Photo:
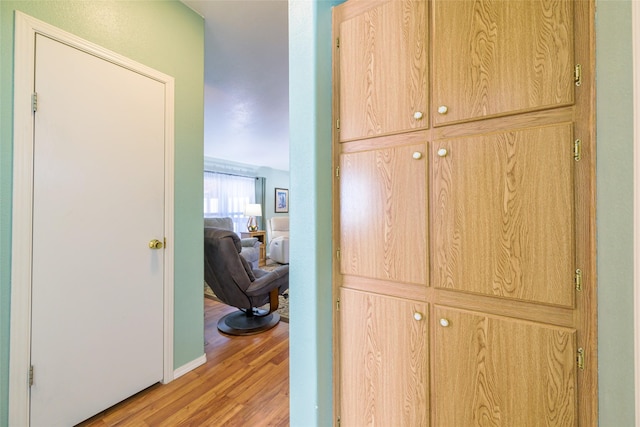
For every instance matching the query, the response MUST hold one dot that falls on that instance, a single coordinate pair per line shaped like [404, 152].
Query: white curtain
[226, 196]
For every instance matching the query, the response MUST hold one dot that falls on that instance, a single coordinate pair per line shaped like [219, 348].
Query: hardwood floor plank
[245, 381]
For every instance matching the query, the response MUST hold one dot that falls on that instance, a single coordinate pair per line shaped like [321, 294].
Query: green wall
[310, 222]
[167, 36]
[615, 212]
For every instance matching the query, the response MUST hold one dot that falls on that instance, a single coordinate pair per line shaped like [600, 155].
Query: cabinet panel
[386, 372]
[383, 224]
[383, 69]
[501, 57]
[494, 371]
[502, 214]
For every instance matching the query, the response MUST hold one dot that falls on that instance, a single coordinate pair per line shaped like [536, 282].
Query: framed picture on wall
[282, 200]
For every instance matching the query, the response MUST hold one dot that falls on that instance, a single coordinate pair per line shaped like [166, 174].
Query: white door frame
[635, 40]
[26, 28]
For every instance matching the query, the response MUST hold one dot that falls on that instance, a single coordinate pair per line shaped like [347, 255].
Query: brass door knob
[155, 244]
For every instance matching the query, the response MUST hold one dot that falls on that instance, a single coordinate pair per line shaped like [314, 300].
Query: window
[226, 196]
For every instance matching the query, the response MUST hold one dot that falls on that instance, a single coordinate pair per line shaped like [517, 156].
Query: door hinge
[338, 304]
[30, 375]
[338, 123]
[165, 242]
[577, 75]
[578, 280]
[580, 358]
[34, 102]
[338, 172]
[577, 150]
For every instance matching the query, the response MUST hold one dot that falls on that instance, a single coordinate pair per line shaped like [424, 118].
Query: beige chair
[278, 234]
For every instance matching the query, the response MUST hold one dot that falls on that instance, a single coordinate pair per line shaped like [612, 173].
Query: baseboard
[189, 366]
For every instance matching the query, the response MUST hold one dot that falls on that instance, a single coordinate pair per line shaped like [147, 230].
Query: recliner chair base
[238, 323]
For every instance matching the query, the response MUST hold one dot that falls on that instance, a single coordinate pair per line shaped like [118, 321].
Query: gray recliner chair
[234, 282]
[250, 245]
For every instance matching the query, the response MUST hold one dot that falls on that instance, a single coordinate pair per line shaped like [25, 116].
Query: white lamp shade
[253, 209]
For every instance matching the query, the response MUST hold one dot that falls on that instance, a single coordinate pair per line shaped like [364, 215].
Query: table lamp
[252, 210]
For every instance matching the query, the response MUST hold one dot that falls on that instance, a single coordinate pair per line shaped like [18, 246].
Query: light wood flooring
[245, 382]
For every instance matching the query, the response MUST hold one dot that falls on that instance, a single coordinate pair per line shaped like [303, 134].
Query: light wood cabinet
[483, 223]
[499, 371]
[503, 220]
[387, 380]
[383, 230]
[383, 68]
[494, 58]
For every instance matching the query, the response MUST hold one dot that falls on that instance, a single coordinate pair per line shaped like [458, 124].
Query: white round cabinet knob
[442, 152]
[444, 322]
[417, 155]
[417, 115]
[442, 109]
[417, 315]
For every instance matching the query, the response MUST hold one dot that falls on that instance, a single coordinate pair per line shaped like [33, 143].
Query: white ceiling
[246, 81]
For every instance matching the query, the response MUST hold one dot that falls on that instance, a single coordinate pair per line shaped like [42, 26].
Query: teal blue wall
[615, 212]
[311, 174]
[310, 142]
[167, 36]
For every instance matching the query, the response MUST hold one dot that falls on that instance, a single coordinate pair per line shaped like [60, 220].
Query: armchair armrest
[250, 242]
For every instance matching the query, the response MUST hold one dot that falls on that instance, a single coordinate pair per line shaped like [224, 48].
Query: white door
[98, 200]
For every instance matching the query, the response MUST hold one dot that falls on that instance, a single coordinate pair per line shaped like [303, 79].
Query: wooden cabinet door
[501, 57]
[503, 216]
[382, 67]
[384, 360]
[497, 371]
[383, 223]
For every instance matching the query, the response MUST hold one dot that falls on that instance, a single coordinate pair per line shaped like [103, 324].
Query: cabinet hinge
[577, 150]
[580, 358]
[338, 304]
[338, 172]
[338, 254]
[34, 102]
[577, 75]
[338, 123]
[338, 420]
[338, 42]
[30, 375]
[578, 280]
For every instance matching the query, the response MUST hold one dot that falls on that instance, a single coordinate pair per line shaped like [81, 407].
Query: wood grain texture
[506, 372]
[383, 69]
[502, 215]
[245, 381]
[493, 58]
[509, 104]
[383, 231]
[586, 313]
[387, 381]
